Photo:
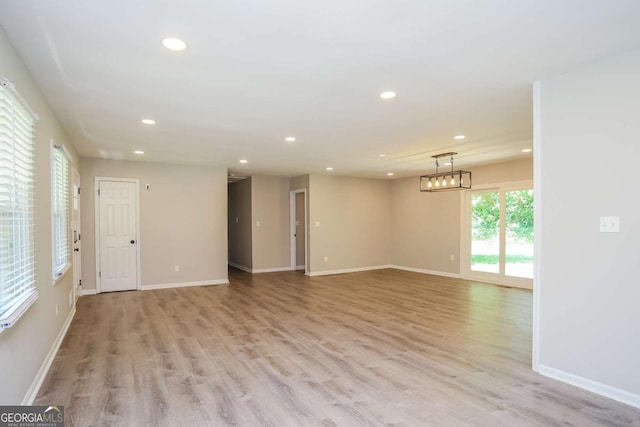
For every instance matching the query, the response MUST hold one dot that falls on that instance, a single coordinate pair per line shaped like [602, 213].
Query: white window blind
[60, 209]
[17, 249]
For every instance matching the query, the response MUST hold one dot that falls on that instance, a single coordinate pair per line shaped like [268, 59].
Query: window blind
[17, 248]
[60, 209]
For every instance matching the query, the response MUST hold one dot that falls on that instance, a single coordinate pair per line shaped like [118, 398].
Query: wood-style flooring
[376, 348]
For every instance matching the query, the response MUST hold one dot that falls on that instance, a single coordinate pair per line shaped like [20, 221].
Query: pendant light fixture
[443, 181]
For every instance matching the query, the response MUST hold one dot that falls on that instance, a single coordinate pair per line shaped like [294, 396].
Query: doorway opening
[298, 218]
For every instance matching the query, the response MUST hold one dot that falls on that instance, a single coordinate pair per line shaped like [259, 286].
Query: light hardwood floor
[377, 348]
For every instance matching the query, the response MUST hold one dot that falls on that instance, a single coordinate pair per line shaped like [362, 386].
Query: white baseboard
[89, 292]
[270, 270]
[423, 271]
[46, 363]
[300, 267]
[614, 393]
[240, 267]
[347, 270]
[185, 284]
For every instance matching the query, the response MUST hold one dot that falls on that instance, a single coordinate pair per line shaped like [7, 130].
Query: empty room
[337, 213]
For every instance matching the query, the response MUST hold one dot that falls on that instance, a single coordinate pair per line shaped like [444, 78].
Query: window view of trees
[485, 226]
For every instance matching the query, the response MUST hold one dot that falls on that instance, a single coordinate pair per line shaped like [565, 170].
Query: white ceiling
[256, 71]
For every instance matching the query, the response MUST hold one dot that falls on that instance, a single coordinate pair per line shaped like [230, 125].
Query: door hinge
[98, 192]
[80, 282]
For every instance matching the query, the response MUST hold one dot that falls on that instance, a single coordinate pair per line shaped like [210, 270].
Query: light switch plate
[317, 223]
[609, 224]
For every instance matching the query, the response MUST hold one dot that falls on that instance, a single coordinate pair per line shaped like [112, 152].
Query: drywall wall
[350, 223]
[270, 223]
[426, 226]
[239, 224]
[24, 347]
[183, 220]
[588, 293]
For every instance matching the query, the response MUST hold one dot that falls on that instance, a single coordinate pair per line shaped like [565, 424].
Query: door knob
[133, 241]
[76, 249]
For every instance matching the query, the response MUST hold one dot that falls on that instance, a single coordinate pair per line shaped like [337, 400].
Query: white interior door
[118, 235]
[75, 233]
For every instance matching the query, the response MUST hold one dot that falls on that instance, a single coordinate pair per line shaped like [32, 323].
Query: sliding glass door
[498, 235]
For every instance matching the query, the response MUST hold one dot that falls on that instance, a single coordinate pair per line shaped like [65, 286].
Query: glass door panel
[519, 233]
[485, 232]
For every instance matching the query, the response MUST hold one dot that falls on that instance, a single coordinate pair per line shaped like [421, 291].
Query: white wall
[183, 220]
[355, 223]
[426, 226]
[270, 207]
[587, 288]
[24, 347]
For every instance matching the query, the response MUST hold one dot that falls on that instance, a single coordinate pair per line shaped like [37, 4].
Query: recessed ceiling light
[244, 161]
[172, 43]
[148, 121]
[527, 150]
[290, 139]
[382, 155]
[389, 173]
[459, 137]
[389, 94]
[138, 152]
[329, 168]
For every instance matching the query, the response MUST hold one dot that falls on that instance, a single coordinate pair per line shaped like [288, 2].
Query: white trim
[537, 223]
[33, 390]
[492, 281]
[96, 226]
[61, 274]
[292, 229]
[185, 284]
[423, 271]
[300, 267]
[348, 270]
[270, 270]
[22, 305]
[590, 385]
[239, 267]
[89, 292]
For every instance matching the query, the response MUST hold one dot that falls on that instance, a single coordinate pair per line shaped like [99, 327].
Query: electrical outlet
[57, 310]
[609, 224]
[326, 259]
[453, 257]
[70, 298]
[257, 223]
[317, 223]
[176, 268]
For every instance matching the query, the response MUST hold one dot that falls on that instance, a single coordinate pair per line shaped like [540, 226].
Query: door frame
[465, 236]
[292, 228]
[77, 266]
[96, 227]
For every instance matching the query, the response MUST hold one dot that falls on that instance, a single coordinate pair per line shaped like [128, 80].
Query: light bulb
[437, 183]
[429, 184]
[453, 181]
[444, 181]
